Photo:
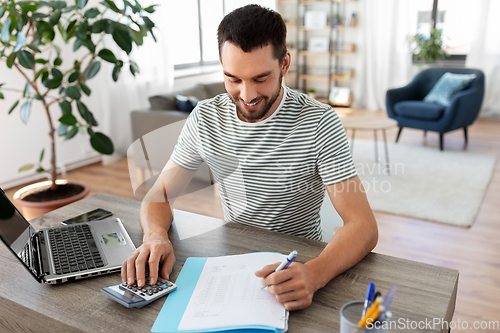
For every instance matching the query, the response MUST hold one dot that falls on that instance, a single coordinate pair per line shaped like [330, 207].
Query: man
[272, 152]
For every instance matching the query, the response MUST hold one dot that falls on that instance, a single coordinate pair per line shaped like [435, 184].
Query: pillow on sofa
[185, 103]
[448, 85]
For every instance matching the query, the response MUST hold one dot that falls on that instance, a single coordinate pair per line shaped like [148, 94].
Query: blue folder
[173, 309]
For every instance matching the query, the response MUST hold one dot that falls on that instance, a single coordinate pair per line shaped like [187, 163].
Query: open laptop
[64, 253]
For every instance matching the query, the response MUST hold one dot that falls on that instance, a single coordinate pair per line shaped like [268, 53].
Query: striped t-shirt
[270, 174]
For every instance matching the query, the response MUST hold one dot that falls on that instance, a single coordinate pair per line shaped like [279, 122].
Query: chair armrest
[464, 108]
[147, 120]
[406, 93]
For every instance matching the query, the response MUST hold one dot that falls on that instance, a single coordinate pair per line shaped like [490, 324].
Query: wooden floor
[475, 251]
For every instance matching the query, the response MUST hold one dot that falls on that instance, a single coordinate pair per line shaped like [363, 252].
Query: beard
[262, 112]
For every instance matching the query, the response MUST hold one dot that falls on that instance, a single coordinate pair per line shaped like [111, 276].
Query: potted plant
[33, 33]
[311, 92]
[428, 48]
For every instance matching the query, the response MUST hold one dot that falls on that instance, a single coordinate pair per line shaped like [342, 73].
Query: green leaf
[42, 26]
[51, 83]
[72, 132]
[134, 68]
[35, 49]
[137, 36]
[2, 11]
[38, 97]
[86, 90]
[93, 69]
[55, 17]
[102, 25]
[26, 90]
[68, 119]
[13, 106]
[65, 107]
[62, 90]
[25, 111]
[26, 167]
[26, 59]
[111, 5]
[82, 30]
[81, 3]
[86, 114]
[150, 9]
[40, 72]
[89, 45]
[116, 70]
[41, 155]
[71, 26]
[41, 61]
[11, 59]
[58, 4]
[149, 24]
[1, 95]
[69, 9]
[41, 169]
[73, 93]
[56, 74]
[92, 13]
[58, 61]
[63, 128]
[20, 41]
[78, 43]
[107, 55]
[90, 131]
[102, 143]
[6, 30]
[123, 40]
[39, 16]
[74, 76]
[45, 76]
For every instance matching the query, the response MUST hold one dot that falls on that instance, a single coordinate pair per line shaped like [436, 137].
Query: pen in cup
[370, 293]
[284, 265]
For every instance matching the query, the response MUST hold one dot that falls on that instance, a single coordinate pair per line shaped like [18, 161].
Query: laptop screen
[18, 235]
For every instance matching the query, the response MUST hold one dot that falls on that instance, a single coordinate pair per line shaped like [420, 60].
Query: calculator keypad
[150, 292]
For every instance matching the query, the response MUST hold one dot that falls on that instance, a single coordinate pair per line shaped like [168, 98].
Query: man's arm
[296, 285]
[156, 216]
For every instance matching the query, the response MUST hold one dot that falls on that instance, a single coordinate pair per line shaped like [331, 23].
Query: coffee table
[370, 124]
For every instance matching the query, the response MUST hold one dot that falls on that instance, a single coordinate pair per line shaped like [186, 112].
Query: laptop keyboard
[74, 249]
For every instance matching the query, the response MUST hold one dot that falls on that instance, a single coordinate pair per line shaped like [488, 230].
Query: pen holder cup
[350, 315]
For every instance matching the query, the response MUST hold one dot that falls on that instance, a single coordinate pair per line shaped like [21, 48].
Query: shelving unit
[321, 67]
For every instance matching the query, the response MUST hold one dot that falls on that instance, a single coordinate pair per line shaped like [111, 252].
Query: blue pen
[370, 293]
[284, 265]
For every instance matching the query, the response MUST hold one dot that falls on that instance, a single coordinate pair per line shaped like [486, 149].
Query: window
[450, 16]
[196, 25]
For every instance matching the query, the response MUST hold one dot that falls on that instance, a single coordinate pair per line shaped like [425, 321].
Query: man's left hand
[293, 286]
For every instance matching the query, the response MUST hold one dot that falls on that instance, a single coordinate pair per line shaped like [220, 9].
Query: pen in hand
[284, 265]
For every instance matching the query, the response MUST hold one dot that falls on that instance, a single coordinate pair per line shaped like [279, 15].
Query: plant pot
[32, 209]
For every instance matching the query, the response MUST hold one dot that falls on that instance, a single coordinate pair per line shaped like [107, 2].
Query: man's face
[253, 80]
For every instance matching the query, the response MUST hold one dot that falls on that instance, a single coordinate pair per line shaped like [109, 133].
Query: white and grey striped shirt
[270, 174]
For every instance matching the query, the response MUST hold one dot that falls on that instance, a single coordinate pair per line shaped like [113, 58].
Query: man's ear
[285, 65]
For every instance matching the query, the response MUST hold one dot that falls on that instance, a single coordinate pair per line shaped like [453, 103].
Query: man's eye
[261, 80]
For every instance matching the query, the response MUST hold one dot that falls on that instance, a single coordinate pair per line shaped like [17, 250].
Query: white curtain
[384, 59]
[116, 100]
[485, 54]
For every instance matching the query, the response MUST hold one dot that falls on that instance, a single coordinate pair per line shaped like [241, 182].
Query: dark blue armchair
[406, 104]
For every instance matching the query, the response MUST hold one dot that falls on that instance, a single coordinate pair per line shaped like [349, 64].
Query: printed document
[228, 294]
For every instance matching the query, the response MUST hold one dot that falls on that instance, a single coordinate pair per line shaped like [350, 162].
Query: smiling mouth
[251, 104]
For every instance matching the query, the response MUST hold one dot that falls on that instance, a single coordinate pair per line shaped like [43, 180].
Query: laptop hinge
[41, 249]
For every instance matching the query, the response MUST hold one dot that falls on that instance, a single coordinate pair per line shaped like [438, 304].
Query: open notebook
[223, 294]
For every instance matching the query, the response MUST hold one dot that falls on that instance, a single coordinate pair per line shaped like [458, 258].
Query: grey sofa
[150, 154]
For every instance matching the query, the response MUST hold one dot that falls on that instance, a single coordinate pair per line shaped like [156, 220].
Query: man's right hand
[157, 251]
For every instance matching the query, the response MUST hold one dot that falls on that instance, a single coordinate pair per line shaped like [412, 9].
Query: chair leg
[465, 135]
[441, 141]
[399, 133]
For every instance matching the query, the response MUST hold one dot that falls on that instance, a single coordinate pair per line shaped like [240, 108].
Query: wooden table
[424, 291]
[370, 124]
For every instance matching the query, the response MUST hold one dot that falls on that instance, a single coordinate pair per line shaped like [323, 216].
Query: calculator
[132, 296]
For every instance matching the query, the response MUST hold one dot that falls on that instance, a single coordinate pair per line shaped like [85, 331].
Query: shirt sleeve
[186, 152]
[333, 155]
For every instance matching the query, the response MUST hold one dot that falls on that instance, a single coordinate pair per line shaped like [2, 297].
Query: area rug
[425, 183]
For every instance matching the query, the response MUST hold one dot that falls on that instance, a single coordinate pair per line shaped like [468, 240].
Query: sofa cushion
[419, 110]
[167, 101]
[214, 89]
[185, 103]
[448, 85]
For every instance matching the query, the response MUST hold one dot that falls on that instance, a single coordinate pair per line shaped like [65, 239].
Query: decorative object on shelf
[318, 44]
[351, 20]
[311, 92]
[428, 48]
[32, 37]
[340, 96]
[315, 19]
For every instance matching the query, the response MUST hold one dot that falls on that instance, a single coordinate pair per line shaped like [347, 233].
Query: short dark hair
[254, 26]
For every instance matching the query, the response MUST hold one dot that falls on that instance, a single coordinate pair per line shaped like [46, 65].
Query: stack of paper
[223, 294]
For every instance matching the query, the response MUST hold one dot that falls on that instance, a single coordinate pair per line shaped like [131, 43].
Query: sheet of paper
[228, 294]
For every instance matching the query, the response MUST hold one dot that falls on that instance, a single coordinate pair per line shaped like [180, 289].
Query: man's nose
[248, 92]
